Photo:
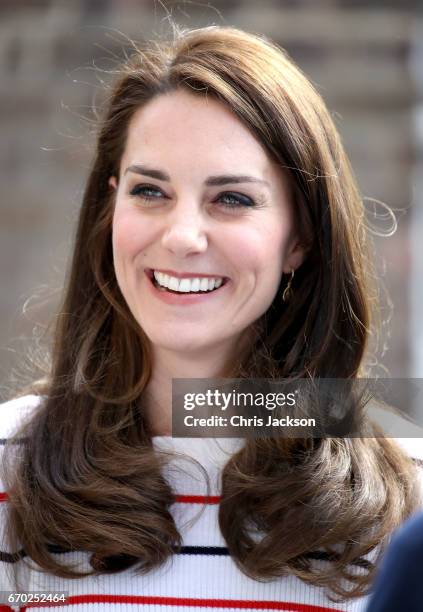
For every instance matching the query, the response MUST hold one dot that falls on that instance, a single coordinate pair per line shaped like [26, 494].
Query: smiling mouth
[191, 291]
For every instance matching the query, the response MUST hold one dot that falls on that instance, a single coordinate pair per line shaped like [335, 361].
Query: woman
[221, 235]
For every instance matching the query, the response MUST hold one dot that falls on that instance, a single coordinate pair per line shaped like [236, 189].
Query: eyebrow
[211, 181]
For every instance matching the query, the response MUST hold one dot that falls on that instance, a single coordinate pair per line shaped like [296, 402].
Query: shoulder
[14, 413]
[413, 447]
[406, 433]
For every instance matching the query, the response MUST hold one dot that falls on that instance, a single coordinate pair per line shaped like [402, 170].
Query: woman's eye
[146, 192]
[228, 199]
[235, 200]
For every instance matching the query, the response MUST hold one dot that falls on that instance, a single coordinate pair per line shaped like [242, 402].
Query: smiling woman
[221, 235]
[218, 221]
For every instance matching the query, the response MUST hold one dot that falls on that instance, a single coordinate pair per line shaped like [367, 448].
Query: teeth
[187, 285]
[184, 285]
[195, 284]
[173, 284]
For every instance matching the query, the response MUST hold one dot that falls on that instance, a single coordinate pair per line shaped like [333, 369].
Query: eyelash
[242, 200]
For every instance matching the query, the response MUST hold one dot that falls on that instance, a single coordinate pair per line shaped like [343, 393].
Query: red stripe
[197, 499]
[180, 499]
[184, 601]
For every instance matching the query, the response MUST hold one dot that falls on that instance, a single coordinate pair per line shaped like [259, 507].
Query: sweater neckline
[209, 451]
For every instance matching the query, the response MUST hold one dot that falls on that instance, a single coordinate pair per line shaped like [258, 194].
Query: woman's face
[198, 198]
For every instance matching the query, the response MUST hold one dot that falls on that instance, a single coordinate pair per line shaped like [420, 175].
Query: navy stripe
[6, 557]
[321, 555]
[202, 550]
[318, 555]
[60, 550]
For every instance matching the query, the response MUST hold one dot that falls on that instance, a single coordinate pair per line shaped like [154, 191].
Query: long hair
[88, 449]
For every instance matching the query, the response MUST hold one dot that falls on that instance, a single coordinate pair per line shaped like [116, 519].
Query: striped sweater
[200, 575]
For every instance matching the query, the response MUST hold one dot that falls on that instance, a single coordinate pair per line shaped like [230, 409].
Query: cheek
[128, 237]
[262, 249]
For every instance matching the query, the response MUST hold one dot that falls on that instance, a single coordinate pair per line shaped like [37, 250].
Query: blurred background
[365, 58]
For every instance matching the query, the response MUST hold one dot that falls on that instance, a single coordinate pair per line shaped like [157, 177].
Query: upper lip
[184, 274]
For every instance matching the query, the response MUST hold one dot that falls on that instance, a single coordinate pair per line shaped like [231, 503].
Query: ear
[295, 256]
[113, 182]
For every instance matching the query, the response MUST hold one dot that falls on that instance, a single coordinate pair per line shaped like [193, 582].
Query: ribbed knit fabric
[202, 575]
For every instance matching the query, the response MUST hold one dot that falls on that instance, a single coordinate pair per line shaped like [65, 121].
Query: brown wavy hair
[88, 449]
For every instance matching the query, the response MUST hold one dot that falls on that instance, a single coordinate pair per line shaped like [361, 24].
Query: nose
[185, 234]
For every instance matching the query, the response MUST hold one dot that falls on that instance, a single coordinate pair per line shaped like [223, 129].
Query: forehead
[181, 128]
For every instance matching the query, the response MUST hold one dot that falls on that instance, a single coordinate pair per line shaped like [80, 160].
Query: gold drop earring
[287, 293]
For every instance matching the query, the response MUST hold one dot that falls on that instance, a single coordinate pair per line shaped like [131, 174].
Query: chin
[184, 343]
[185, 346]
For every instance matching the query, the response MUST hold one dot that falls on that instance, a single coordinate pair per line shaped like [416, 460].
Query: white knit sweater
[202, 575]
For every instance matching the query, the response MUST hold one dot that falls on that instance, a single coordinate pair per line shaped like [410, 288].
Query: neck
[168, 365]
